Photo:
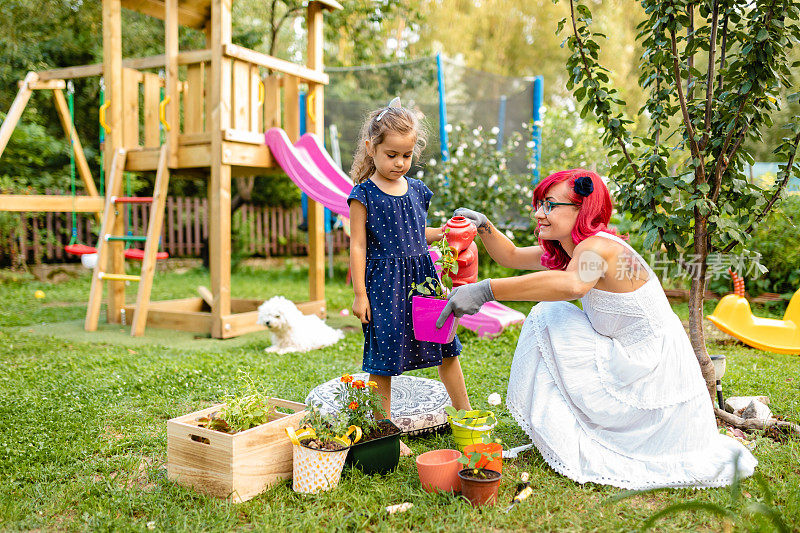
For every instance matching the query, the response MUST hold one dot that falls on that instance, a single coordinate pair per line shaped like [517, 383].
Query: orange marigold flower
[353, 406]
[347, 378]
[358, 384]
[372, 384]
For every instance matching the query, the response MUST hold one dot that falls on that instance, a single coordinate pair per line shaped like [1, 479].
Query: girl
[388, 251]
[611, 392]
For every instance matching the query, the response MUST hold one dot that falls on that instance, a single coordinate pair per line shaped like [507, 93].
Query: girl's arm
[506, 253]
[358, 260]
[433, 234]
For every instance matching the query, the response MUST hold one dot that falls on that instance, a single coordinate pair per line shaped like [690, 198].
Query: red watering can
[460, 238]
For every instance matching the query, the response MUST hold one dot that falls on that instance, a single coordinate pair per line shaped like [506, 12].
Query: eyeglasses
[548, 205]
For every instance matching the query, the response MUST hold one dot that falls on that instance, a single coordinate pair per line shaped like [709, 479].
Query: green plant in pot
[469, 427]
[478, 484]
[429, 297]
[378, 451]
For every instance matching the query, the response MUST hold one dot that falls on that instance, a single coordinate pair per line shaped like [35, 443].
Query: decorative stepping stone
[417, 403]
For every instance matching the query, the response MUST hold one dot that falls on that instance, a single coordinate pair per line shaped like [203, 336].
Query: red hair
[594, 212]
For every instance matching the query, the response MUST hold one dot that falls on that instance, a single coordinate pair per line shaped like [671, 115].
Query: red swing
[79, 249]
[74, 247]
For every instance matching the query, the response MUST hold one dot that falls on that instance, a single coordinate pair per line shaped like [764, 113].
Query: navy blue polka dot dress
[397, 255]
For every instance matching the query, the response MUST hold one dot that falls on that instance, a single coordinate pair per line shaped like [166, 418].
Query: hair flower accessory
[394, 103]
[583, 186]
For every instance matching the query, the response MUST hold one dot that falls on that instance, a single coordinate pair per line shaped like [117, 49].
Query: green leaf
[763, 34]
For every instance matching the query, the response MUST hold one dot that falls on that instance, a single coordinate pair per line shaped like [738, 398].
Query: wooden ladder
[111, 216]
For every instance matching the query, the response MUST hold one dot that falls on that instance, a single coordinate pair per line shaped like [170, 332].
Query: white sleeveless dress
[613, 394]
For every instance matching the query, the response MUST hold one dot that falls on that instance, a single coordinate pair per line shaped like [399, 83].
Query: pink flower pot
[438, 470]
[424, 314]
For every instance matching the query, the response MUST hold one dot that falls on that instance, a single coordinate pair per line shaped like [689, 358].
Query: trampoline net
[473, 97]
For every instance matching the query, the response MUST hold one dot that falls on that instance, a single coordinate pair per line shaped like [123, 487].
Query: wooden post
[112, 73]
[154, 225]
[152, 97]
[219, 187]
[272, 103]
[291, 109]
[130, 108]
[173, 107]
[116, 167]
[17, 107]
[315, 122]
[193, 110]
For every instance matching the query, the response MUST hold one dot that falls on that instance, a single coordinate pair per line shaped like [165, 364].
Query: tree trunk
[696, 298]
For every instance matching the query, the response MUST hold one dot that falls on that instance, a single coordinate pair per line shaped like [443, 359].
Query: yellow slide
[733, 316]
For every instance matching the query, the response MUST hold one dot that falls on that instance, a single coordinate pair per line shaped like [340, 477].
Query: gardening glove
[466, 300]
[479, 219]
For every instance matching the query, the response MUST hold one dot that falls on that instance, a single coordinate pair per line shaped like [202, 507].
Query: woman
[612, 393]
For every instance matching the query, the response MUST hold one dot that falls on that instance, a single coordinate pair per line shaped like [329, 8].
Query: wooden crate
[238, 466]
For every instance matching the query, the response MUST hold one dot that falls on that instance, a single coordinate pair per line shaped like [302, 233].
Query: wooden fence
[260, 231]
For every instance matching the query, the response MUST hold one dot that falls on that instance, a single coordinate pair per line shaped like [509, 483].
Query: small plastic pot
[471, 428]
[424, 314]
[438, 470]
[376, 456]
[480, 491]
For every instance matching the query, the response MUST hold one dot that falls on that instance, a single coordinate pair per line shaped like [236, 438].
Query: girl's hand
[361, 308]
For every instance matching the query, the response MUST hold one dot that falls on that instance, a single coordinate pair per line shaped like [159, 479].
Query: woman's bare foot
[405, 451]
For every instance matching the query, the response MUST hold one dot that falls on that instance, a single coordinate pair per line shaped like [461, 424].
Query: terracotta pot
[480, 491]
[424, 313]
[496, 464]
[438, 470]
[460, 238]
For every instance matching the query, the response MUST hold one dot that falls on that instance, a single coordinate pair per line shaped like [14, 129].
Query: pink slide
[301, 167]
[312, 146]
[311, 168]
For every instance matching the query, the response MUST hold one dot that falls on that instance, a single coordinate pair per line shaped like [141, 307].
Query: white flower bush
[479, 176]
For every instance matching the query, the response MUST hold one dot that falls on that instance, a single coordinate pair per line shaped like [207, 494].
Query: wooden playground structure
[217, 103]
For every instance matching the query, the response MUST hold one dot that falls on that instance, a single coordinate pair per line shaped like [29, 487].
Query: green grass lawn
[83, 426]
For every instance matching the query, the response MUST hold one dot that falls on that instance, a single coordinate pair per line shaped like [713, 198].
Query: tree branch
[722, 52]
[686, 119]
[721, 160]
[776, 194]
[751, 424]
[277, 28]
[690, 58]
[588, 72]
[712, 47]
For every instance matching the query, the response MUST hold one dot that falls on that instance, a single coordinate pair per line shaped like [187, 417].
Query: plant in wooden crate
[360, 403]
[234, 449]
[240, 412]
[319, 450]
[431, 297]
[479, 484]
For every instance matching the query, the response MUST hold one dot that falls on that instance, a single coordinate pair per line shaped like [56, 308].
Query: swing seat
[80, 249]
[137, 254]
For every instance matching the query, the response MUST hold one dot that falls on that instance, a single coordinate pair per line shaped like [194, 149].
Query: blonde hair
[400, 120]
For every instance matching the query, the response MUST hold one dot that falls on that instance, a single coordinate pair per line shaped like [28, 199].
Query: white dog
[291, 330]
